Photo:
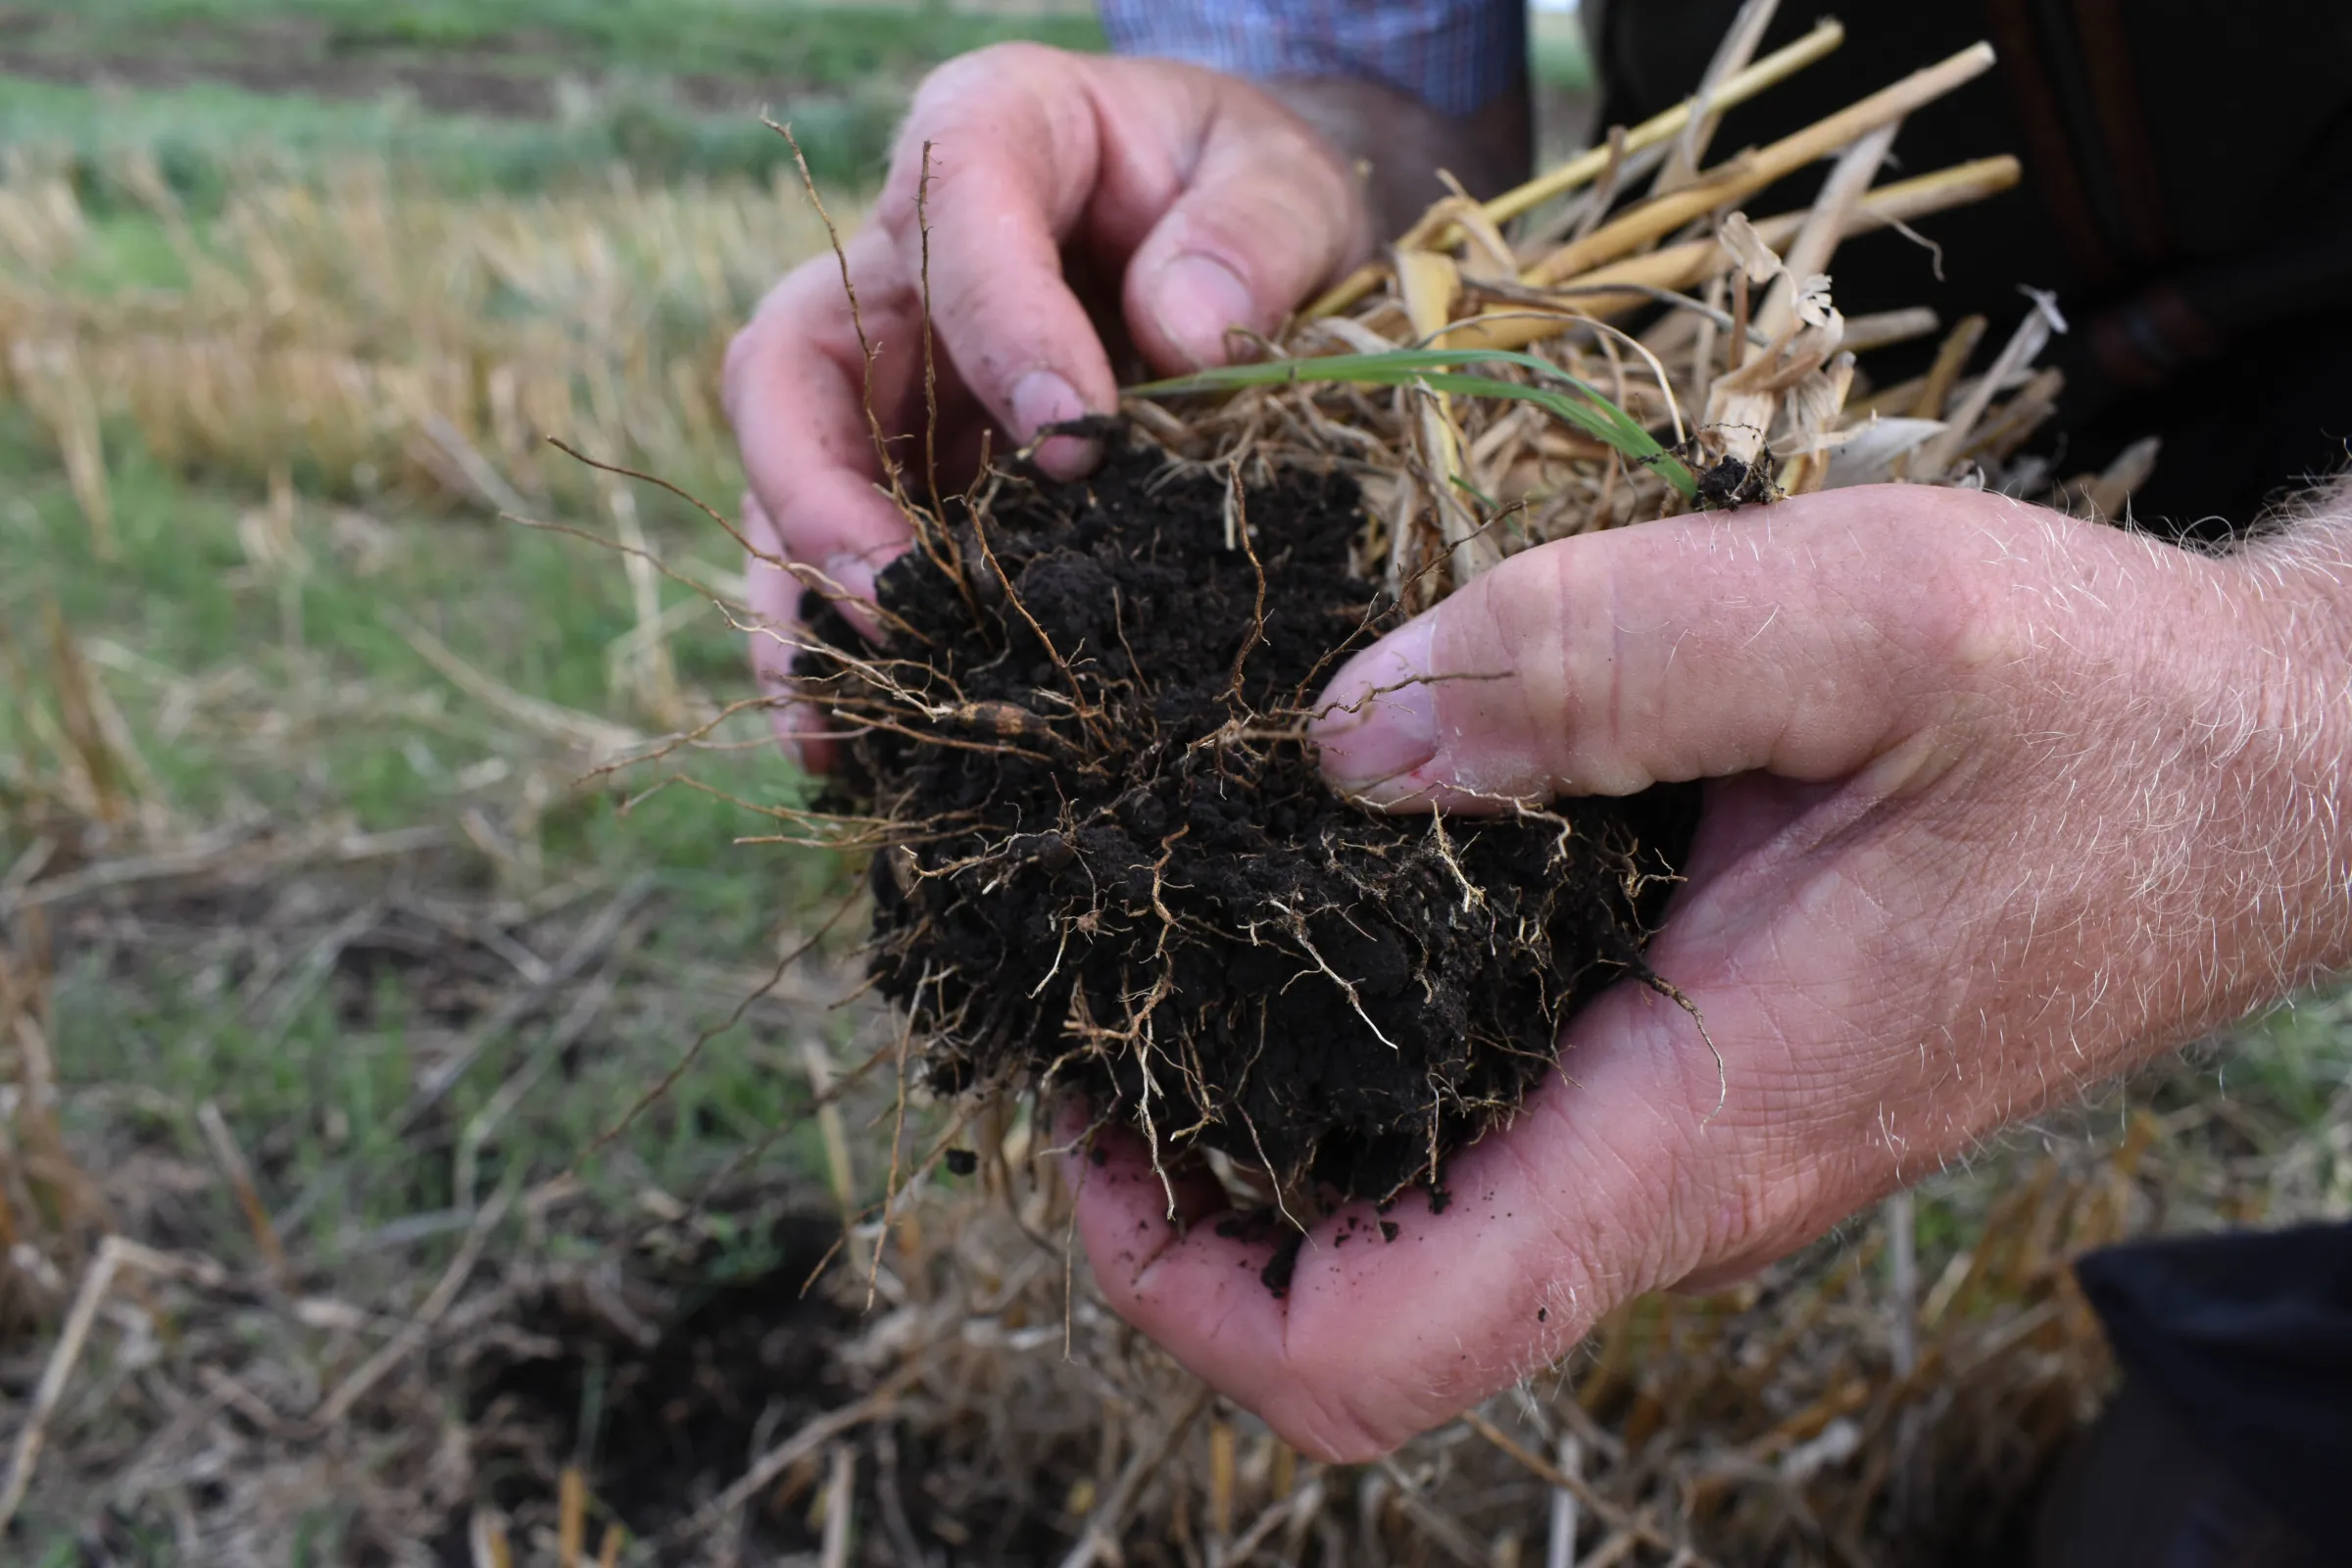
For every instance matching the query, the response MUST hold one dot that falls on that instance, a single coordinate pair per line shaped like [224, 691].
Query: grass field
[517, 95]
[277, 355]
[330, 955]
[266, 461]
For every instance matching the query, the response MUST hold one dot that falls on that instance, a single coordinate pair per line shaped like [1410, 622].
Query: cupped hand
[2001, 805]
[1201, 204]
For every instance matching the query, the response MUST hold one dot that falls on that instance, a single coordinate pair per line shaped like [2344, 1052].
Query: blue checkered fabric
[1454, 55]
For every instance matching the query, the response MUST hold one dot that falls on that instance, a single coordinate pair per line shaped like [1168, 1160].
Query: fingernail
[757, 529]
[1197, 299]
[1041, 398]
[1379, 719]
[851, 573]
[849, 587]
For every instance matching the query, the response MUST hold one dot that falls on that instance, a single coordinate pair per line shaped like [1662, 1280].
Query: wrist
[1401, 90]
[1399, 144]
[2300, 579]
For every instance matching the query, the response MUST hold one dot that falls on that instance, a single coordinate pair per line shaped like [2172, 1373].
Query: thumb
[1267, 214]
[1841, 629]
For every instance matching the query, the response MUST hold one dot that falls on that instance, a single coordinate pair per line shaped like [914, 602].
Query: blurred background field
[330, 956]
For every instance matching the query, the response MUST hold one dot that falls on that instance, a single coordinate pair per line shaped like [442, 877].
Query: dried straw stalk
[1716, 334]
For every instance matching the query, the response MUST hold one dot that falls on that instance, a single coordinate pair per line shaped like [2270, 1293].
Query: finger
[797, 395]
[1226, 208]
[1014, 153]
[1172, 1195]
[776, 632]
[1834, 631]
[1266, 215]
[1213, 1275]
[1393, 1321]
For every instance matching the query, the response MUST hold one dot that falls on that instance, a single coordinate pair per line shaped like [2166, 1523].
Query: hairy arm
[2302, 575]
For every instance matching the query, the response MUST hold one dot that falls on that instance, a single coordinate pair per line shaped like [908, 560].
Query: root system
[1117, 869]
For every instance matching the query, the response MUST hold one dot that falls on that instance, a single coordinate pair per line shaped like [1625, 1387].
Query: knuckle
[1967, 621]
[779, 330]
[1560, 660]
[1317, 168]
[1973, 638]
[1325, 1416]
[1343, 1395]
[1523, 600]
[982, 84]
[993, 65]
[736, 370]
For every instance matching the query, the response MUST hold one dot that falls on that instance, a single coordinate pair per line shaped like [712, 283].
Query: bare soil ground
[519, 74]
[310, 1325]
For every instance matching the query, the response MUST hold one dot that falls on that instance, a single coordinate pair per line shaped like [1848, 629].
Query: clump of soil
[1115, 866]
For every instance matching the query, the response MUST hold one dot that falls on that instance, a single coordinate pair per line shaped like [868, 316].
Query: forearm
[2187, 749]
[2301, 575]
[2192, 761]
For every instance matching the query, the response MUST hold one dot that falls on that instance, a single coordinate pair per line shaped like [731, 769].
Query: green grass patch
[762, 40]
[203, 138]
[538, 93]
[326, 649]
[317, 1096]
[1437, 370]
[252, 695]
[1558, 54]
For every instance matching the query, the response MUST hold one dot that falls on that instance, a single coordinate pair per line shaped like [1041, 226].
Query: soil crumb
[1114, 867]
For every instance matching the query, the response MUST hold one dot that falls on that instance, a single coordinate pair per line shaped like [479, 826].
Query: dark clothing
[2246, 1341]
[2138, 1492]
[2188, 194]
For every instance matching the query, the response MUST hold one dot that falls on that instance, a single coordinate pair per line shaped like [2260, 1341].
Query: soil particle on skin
[1276, 1276]
[1117, 869]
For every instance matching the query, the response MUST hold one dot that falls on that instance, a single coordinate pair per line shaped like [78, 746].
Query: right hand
[1210, 205]
[2000, 804]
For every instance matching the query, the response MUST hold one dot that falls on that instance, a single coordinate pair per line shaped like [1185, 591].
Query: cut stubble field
[352, 1206]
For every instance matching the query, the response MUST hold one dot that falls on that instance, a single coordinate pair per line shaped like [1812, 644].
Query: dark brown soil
[665, 1368]
[1118, 869]
[660, 1380]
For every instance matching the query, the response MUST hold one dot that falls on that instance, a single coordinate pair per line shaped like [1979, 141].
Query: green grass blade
[1440, 370]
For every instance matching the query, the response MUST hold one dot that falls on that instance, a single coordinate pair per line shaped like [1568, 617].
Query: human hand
[2001, 805]
[1202, 203]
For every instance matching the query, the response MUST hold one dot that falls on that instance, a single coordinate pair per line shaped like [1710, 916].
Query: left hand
[1201, 204]
[2002, 804]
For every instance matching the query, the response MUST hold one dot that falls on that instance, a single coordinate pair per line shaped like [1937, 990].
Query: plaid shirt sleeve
[1454, 55]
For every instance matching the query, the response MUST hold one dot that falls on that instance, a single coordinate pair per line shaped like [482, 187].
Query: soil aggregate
[1113, 864]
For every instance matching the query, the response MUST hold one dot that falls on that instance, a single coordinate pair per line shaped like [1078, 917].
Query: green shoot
[1436, 368]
